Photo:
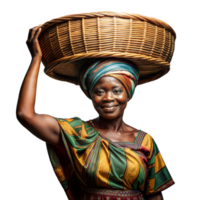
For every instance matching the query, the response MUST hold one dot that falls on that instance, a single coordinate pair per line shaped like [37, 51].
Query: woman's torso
[103, 163]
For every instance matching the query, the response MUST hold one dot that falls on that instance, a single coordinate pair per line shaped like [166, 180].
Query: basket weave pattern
[146, 41]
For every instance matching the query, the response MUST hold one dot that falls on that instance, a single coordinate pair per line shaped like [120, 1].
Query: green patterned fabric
[96, 161]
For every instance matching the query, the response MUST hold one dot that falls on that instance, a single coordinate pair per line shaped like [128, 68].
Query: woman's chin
[109, 115]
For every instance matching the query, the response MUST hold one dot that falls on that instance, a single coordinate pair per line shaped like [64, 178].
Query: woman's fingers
[33, 43]
[37, 33]
[34, 31]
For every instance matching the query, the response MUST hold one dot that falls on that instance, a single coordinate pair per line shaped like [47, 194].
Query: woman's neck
[111, 124]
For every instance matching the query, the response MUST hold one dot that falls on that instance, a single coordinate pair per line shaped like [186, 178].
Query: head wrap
[123, 70]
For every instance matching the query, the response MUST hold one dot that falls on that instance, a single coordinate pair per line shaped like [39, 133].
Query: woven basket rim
[124, 15]
[68, 59]
[102, 54]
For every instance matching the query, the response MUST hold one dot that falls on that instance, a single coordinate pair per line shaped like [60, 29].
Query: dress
[90, 166]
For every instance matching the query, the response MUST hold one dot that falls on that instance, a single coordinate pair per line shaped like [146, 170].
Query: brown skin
[109, 98]
[42, 126]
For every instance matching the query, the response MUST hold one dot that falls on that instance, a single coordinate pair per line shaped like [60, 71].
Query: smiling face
[109, 97]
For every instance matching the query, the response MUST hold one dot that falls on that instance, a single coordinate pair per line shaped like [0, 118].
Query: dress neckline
[92, 125]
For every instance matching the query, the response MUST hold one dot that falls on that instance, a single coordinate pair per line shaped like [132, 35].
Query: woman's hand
[33, 43]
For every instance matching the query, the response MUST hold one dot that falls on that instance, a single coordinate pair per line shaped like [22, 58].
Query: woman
[103, 158]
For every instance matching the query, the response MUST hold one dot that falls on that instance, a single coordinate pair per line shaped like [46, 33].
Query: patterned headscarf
[123, 70]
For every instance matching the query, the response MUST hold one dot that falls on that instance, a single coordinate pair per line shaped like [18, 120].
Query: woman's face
[109, 97]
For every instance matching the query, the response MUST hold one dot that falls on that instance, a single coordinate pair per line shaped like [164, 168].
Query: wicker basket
[69, 41]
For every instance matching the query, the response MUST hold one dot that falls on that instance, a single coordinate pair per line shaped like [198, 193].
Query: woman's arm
[28, 92]
[157, 196]
[44, 127]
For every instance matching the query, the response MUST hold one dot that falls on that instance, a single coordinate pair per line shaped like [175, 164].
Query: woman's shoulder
[130, 128]
[87, 121]
[142, 138]
[69, 120]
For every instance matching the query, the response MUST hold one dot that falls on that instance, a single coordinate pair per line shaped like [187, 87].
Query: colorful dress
[90, 166]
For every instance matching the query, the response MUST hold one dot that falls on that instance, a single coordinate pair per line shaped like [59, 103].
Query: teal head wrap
[123, 70]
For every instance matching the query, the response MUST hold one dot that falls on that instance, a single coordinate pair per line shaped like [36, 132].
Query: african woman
[103, 158]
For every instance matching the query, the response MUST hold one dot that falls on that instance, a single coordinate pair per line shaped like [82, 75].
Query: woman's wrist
[37, 57]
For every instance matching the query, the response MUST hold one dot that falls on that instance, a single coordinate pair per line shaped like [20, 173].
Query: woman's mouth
[109, 108]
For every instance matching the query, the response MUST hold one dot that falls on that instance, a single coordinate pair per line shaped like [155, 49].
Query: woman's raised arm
[42, 126]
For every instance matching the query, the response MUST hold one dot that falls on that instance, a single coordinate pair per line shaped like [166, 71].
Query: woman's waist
[109, 192]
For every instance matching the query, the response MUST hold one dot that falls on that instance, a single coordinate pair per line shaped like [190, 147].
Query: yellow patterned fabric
[93, 160]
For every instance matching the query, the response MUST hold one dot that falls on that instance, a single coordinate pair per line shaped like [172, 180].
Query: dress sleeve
[158, 177]
[61, 160]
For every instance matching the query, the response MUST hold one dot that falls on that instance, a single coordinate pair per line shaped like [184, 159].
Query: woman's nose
[108, 96]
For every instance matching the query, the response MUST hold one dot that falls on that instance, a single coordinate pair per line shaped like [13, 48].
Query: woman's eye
[117, 91]
[99, 92]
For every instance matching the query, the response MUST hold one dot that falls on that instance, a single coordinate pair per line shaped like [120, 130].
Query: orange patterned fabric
[89, 159]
